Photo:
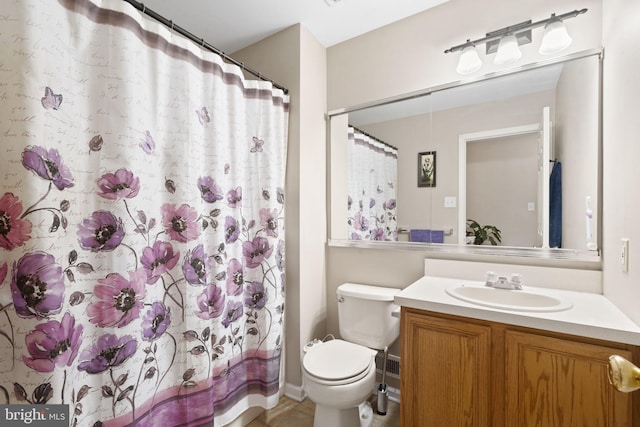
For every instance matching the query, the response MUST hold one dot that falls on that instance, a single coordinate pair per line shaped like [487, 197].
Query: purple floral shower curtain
[141, 220]
[372, 181]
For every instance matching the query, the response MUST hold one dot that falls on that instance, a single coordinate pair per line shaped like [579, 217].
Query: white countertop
[592, 315]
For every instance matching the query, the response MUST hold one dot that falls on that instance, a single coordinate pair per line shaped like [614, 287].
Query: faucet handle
[491, 277]
[516, 281]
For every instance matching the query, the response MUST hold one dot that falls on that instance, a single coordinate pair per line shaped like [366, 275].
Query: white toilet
[340, 374]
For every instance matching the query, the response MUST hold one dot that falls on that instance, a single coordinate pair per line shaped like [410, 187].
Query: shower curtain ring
[171, 22]
[201, 42]
[144, 8]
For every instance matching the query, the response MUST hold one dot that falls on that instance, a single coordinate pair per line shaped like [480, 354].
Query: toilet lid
[337, 360]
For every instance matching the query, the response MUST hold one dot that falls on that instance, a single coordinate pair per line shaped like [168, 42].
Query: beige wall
[621, 110]
[408, 55]
[296, 60]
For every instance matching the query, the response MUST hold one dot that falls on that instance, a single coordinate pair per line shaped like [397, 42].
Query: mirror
[498, 140]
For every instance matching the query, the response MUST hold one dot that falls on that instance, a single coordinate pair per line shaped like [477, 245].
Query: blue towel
[555, 206]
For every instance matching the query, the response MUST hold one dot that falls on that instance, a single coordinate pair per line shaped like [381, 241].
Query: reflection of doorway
[502, 186]
[466, 140]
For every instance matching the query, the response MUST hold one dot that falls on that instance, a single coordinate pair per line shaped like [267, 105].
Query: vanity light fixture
[505, 42]
[470, 61]
[508, 51]
[555, 38]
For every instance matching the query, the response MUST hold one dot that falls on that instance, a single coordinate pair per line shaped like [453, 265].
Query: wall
[621, 128]
[408, 55]
[295, 59]
[412, 53]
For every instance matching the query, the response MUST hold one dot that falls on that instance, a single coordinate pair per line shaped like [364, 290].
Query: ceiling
[230, 25]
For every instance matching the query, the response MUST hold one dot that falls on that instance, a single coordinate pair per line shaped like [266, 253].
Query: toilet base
[327, 416]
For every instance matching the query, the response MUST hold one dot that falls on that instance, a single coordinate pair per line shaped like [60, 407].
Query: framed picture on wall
[427, 169]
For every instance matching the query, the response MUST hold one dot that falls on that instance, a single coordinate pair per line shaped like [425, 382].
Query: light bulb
[508, 51]
[555, 38]
[469, 60]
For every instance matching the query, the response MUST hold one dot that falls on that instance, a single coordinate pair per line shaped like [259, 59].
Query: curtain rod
[373, 137]
[201, 42]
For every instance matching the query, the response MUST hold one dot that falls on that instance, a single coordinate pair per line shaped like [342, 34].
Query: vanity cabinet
[459, 371]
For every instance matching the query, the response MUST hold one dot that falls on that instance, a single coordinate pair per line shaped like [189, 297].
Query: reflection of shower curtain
[141, 221]
[372, 178]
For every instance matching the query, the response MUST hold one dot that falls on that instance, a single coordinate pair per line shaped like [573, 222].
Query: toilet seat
[338, 362]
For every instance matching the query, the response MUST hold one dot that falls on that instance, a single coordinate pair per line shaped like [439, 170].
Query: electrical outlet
[624, 255]
[450, 201]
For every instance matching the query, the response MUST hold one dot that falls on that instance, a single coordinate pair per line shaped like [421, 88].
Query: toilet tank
[365, 315]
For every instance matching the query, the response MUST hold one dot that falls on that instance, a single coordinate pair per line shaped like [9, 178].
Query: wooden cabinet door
[555, 382]
[445, 372]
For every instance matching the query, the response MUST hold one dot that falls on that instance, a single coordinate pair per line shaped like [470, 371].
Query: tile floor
[290, 413]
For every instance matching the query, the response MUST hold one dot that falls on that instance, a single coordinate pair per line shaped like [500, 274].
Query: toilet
[340, 374]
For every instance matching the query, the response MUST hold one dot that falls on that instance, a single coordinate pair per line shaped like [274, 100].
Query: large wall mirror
[517, 152]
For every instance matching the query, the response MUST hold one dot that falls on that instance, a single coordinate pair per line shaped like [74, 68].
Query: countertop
[592, 315]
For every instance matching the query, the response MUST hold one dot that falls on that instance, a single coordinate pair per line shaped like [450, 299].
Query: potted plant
[483, 233]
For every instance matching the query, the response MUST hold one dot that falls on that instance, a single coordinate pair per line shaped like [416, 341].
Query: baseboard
[294, 392]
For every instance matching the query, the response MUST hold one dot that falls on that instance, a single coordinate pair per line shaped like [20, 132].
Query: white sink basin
[507, 299]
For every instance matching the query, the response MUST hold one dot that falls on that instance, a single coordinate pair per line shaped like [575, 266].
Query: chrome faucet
[501, 282]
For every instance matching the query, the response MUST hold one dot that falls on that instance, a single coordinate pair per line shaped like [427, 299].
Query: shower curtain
[372, 181]
[141, 220]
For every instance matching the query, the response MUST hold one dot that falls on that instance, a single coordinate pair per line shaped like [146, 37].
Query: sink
[507, 299]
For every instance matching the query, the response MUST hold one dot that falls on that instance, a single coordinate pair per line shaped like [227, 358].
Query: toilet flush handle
[340, 299]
